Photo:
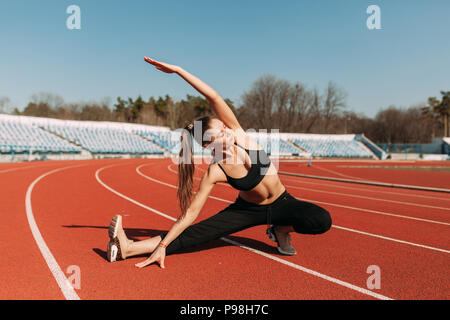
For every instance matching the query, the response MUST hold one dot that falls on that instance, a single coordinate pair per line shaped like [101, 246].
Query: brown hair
[186, 165]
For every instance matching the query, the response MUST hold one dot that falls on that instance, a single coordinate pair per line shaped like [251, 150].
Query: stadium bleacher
[273, 144]
[103, 139]
[331, 146]
[168, 140]
[446, 145]
[33, 134]
[18, 134]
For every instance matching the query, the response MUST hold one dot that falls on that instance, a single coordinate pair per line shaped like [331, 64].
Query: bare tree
[275, 103]
[174, 117]
[52, 100]
[313, 113]
[333, 103]
[260, 101]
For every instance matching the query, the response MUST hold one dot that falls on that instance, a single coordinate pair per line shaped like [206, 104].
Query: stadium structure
[24, 138]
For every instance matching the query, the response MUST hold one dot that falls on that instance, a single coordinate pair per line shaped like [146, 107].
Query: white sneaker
[114, 251]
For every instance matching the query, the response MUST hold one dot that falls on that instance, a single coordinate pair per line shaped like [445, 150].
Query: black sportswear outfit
[305, 217]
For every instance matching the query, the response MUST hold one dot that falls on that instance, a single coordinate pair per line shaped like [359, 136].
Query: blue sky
[227, 44]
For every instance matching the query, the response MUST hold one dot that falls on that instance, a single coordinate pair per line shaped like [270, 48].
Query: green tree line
[270, 103]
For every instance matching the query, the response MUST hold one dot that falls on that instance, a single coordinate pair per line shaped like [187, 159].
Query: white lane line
[128, 198]
[340, 174]
[378, 212]
[63, 283]
[367, 182]
[171, 185]
[26, 167]
[391, 239]
[309, 271]
[290, 264]
[364, 190]
[342, 187]
[349, 207]
[378, 199]
[353, 230]
[350, 160]
[372, 198]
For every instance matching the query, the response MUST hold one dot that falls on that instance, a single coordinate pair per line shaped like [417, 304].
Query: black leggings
[304, 217]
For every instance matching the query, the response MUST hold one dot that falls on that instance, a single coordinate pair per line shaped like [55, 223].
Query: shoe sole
[285, 252]
[114, 252]
[114, 226]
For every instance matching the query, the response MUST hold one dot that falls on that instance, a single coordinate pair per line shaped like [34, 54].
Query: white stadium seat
[25, 134]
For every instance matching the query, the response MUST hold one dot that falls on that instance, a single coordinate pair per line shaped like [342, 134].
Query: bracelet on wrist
[161, 244]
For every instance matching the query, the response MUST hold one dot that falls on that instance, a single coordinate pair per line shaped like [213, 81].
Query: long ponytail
[186, 166]
[186, 170]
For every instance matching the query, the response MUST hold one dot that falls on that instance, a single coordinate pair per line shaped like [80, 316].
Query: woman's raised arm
[223, 111]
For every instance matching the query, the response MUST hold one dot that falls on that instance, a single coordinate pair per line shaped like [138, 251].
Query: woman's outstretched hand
[157, 256]
[164, 67]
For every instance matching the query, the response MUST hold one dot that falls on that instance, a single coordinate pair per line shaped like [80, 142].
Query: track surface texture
[55, 218]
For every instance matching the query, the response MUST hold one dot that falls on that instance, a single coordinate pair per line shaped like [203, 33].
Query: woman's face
[220, 136]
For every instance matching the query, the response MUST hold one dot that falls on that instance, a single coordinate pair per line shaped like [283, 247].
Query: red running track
[404, 232]
[387, 171]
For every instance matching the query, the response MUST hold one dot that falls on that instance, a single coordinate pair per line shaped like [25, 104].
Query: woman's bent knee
[325, 221]
[316, 221]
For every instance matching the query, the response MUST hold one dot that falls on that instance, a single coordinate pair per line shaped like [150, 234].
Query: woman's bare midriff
[267, 191]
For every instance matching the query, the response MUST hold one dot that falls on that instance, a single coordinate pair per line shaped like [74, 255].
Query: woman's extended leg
[142, 247]
[232, 219]
[149, 245]
[227, 221]
[129, 247]
[288, 215]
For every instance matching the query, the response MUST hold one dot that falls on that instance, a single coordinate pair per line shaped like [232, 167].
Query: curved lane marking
[66, 288]
[243, 246]
[353, 230]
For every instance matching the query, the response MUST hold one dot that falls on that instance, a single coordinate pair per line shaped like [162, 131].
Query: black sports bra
[260, 164]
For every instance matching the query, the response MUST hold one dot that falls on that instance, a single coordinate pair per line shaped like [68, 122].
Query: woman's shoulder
[245, 140]
[215, 173]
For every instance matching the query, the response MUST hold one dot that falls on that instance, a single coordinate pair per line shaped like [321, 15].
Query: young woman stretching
[262, 198]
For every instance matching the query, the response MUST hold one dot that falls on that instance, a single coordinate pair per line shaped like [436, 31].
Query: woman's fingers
[150, 261]
[165, 67]
[158, 65]
[151, 61]
[140, 264]
[154, 62]
[144, 263]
